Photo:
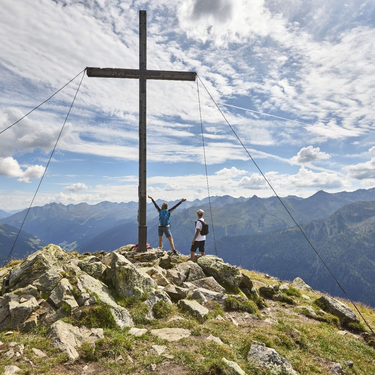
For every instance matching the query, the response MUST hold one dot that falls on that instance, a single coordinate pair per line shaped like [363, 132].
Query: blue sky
[309, 64]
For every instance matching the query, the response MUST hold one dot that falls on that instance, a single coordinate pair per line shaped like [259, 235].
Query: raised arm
[155, 204]
[174, 207]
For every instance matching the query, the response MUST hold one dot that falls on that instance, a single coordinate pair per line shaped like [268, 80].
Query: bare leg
[203, 254]
[171, 242]
[161, 242]
[192, 256]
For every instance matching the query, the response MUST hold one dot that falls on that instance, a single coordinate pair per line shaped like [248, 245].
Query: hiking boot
[174, 252]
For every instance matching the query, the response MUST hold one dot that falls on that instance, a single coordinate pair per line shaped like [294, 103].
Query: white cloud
[306, 179]
[362, 171]
[9, 167]
[230, 172]
[255, 181]
[76, 187]
[309, 154]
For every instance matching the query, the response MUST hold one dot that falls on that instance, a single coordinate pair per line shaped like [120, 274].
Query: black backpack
[204, 229]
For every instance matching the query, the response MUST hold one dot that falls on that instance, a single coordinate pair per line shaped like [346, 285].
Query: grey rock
[20, 312]
[137, 331]
[176, 293]
[171, 334]
[30, 323]
[215, 339]
[233, 368]
[128, 280]
[68, 338]
[209, 283]
[154, 297]
[98, 288]
[336, 368]
[270, 360]
[226, 274]
[93, 266]
[195, 308]
[158, 349]
[338, 309]
[157, 274]
[11, 370]
[267, 291]
[63, 293]
[199, 296]
[300, 284]
[175, 276]
[42, 269]
[39, 353]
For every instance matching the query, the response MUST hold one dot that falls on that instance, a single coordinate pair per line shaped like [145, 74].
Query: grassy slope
[309, 345]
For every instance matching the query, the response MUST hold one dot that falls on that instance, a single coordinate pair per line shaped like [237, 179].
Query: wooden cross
[143, 75]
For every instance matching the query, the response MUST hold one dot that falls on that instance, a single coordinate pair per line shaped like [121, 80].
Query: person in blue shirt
[164, 222]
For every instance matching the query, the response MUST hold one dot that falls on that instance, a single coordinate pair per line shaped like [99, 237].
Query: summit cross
[143, 75]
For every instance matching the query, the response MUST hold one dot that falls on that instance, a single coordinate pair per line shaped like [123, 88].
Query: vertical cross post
[143, 75]
[142, 187]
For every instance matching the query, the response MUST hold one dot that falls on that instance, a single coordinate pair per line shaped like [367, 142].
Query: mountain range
[256, 233]
[26, 243]
[3, 214]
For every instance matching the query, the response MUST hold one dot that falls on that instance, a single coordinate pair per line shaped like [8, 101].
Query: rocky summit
[129, 312]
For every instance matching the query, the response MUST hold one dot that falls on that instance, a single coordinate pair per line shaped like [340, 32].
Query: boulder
[42, 269]
[191, 271]
[337, 308]
[270, 360]
[148, 256]
[68, 338]
[209, 283]
[11, 370]
[128, 280]
[176, 276]
[233, 368]
[97, 288]
[176, 293]
[208, 295]
[268, 291]
[93, 266]
[195, 308]
[157, 274]
[63, 293]
[171, 334]
[154, 297]
[226, 274]
[300, 284]
[15, 310]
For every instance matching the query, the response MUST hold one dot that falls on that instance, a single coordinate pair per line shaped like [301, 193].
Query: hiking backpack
[164, 218]
[204, 229]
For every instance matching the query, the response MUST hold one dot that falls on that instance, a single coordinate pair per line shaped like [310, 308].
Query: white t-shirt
[199, 226]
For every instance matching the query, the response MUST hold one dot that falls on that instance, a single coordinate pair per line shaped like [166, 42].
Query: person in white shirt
[198, 240]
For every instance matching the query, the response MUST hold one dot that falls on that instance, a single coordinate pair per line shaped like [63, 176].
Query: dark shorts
[166, 230]
[197, 245]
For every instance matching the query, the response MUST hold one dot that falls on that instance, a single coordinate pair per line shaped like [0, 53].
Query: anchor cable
[286, 208]
[45, 170]
[205, 164]
[28, 113]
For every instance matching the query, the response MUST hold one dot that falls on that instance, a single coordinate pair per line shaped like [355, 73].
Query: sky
[294, 79]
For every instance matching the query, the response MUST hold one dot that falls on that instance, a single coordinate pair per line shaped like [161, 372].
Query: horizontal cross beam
[134, 73]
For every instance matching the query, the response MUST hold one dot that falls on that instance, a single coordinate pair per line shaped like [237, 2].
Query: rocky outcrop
[226, 274]
[52, 284]
[128, 280]
[270, 360]
[68, 338]
[337, 308]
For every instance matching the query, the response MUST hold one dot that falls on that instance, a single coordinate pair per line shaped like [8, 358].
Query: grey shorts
[166, 230]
